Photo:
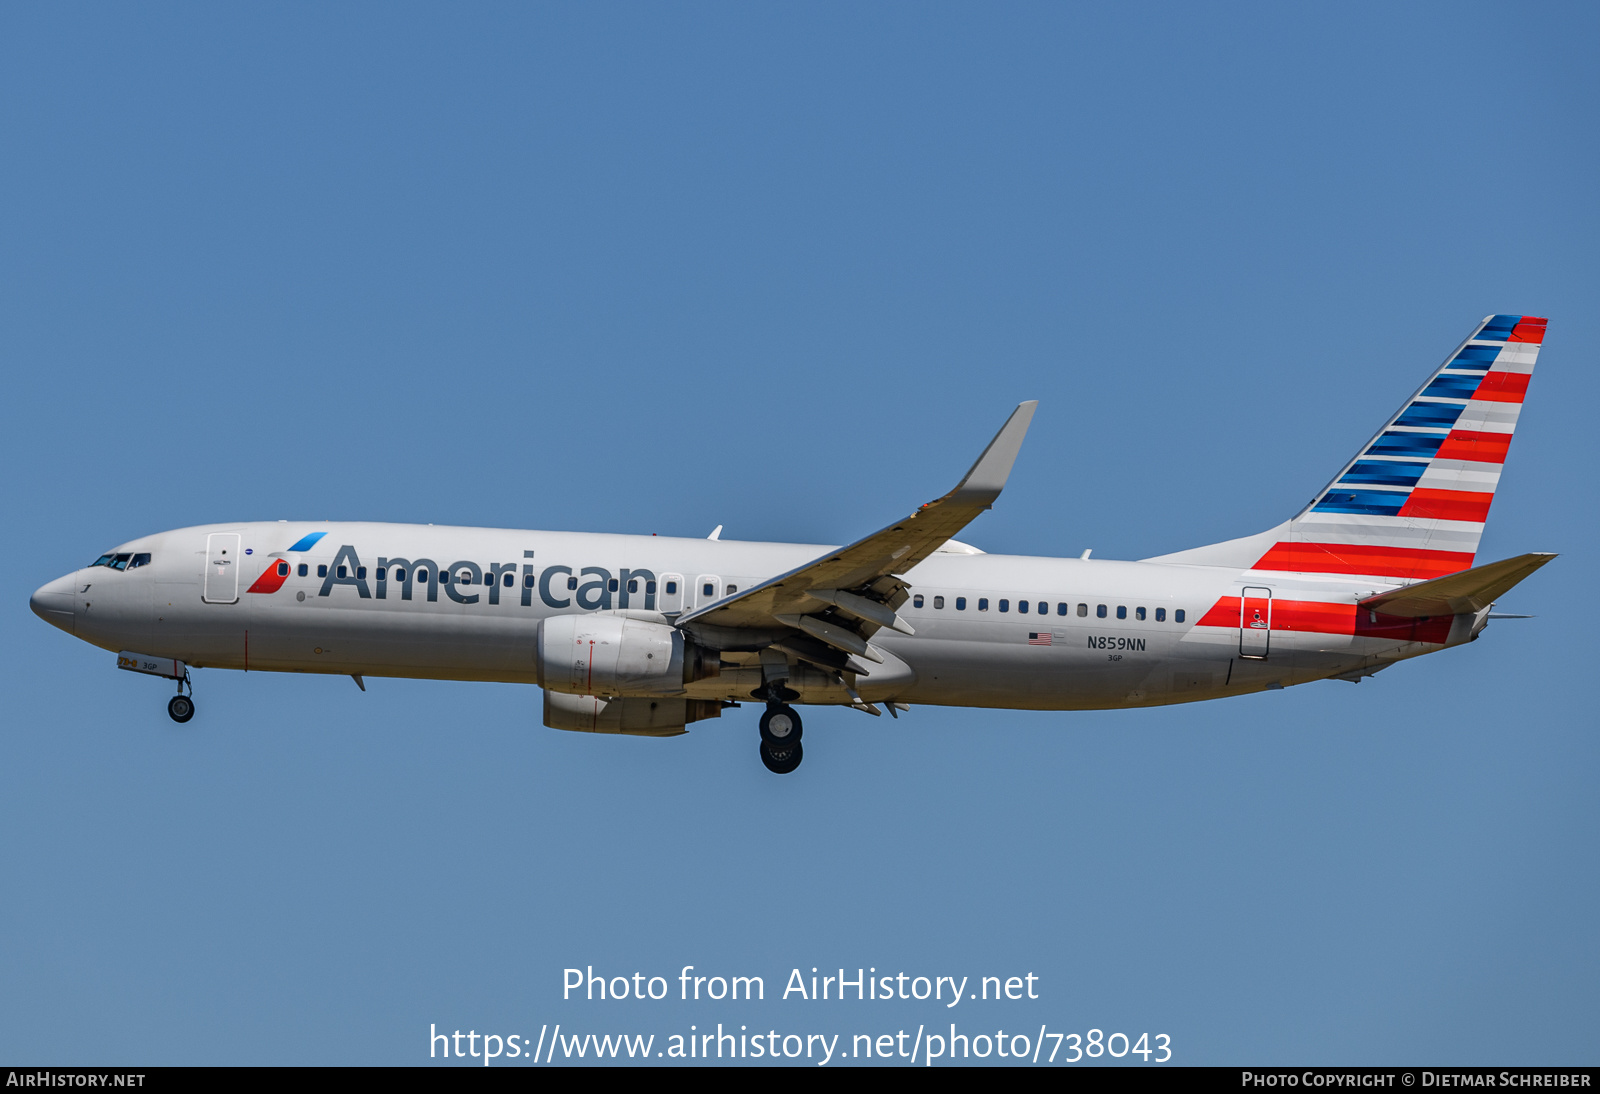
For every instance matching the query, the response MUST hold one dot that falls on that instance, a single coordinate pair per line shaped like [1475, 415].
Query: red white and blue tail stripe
[1412, 503]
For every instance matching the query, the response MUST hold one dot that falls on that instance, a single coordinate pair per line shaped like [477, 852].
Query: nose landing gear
[780, 738]
[181, 706]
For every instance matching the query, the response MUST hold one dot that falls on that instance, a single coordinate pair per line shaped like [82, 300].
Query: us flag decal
[1038, 638]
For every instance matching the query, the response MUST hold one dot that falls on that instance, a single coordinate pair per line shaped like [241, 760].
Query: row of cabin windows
[1042, 607]
[508, 580]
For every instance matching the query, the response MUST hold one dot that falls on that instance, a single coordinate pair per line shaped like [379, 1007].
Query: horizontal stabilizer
[1459, 594]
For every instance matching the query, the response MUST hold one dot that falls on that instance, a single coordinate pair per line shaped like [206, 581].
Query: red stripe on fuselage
[1466, 444]
[1447, 505]
[270, 580]
[1503, 387]
[1360, 558]
[1319, 617]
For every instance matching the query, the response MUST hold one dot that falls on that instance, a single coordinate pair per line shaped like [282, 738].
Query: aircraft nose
[53, 602]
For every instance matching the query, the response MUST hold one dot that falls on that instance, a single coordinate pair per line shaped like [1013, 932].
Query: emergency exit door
[671, 596]
[222, 568]
[1255, 623]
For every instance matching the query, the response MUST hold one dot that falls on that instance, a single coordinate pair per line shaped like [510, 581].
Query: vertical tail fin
[1411, 504]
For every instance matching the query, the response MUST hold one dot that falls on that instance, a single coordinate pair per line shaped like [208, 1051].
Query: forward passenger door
[223, 557]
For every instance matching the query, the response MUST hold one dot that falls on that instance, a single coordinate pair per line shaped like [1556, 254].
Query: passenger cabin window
[572, 583]
[304, 569]
[1061, 609]
[938, 602]
[633, 586]
[1122, 611]
[983, 603]
[361, 573]
[916, 601]
[1005, 605]
[650, 587]
[1138, 613]
[732, 589]
[322, 570]
[708, 589]
[1161, 615]
[672, 588]
[341, 571]
[528, 581]
[611, 585]
[1022, 607]
[283, 569]
[1083, 610]
[1177, 616]
[510, 580]
[961, 603]
[1100, 611]
[1044, 609]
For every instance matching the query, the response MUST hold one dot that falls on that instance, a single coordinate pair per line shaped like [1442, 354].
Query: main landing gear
[780, 738]
[181, 706]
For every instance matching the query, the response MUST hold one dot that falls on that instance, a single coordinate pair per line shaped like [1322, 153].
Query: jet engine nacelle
[611, 655]
[638, 716]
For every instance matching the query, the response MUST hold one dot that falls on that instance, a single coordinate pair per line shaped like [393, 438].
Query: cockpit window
[124, 561]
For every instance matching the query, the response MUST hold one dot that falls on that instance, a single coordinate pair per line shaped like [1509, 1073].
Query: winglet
[982, 484]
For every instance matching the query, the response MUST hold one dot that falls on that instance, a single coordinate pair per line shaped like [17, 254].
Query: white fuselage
[1168, 633]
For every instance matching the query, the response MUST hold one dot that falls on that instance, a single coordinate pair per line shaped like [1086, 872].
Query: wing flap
[1458, 594]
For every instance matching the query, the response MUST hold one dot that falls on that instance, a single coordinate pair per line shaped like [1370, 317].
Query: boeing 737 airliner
[645, 635]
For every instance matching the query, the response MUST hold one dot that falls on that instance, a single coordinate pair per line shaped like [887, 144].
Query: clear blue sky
[655, 268]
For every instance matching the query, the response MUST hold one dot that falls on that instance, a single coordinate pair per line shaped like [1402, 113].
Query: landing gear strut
[181, 706]
[780, 738]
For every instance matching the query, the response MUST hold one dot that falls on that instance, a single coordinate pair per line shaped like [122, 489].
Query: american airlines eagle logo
[273, 577]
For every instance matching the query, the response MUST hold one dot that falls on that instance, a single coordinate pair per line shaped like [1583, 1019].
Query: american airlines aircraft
[645, 634]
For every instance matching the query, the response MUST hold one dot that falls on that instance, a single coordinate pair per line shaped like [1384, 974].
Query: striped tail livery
[1411, 505]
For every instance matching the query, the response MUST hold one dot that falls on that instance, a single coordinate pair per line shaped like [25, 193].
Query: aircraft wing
[1469, 591]
[841, 599]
